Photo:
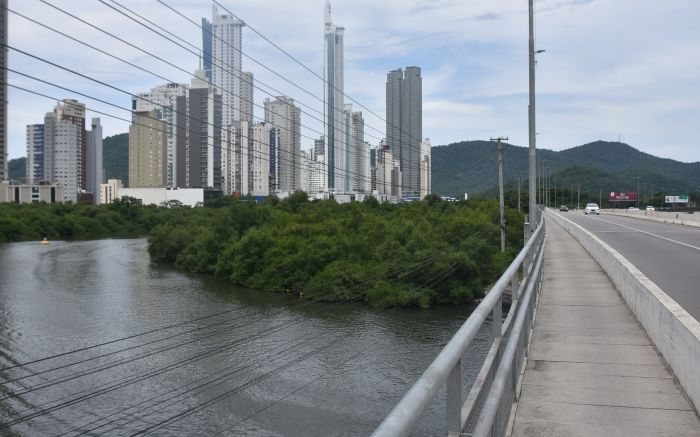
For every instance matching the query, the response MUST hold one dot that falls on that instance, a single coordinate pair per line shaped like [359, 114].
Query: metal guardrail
[486, 410]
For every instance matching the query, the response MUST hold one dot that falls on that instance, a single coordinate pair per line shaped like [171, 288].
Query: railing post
[514, 283]
[454, 399]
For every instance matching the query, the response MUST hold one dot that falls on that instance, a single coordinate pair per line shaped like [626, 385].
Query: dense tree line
[67, 221]
[415, 254]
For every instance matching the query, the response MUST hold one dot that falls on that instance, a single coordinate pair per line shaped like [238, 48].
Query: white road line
[649, 233]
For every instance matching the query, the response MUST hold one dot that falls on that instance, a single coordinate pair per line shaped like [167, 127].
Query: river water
[166, 353]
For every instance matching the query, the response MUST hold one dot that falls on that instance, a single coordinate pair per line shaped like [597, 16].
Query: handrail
[505, 367]
[406, 413]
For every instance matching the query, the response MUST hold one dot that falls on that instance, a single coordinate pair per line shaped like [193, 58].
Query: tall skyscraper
[93, 158]
[62, 154]
[3, 91]
[207, 39]
[334, 102]
[226, 63]
[147, 151]
[163, 100]
[35, 153]
[404, 125]
[284, 115]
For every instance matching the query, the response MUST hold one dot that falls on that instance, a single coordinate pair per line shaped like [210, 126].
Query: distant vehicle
[651, 208]
[632, 208]
[592, 208]
[563, 208]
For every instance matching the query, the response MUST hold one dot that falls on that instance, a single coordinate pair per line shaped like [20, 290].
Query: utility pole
[637, 191]
[531, 123]
[555, 192]
[600, 198]
[519, 183]
[501, 200]
[578, 199]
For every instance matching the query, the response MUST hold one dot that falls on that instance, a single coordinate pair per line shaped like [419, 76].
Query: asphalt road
[667, 254]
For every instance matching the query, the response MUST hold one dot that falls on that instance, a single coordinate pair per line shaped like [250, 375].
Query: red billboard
[622, 197]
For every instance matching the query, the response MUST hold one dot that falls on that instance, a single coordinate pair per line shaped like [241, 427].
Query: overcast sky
[612, 68]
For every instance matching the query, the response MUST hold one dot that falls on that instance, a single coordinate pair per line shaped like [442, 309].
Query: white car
[651, 208]
[632, 208]
[592, 208]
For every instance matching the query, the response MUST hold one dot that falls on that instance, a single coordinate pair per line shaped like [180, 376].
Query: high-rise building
[147, 151]
[35, 154]
[62, 154]
[163, 100]
[388, 172]
[359, 155]
[317, 173]
[199, 155]
[426, 168]
[227, 43]
[248, 164]
[404, 125]
[3, 91]
[334, 120]
[284, 115]
[247, 88]
[207, 38]
[93, 160]
[304, 174]
[319, 148]
[72, 111]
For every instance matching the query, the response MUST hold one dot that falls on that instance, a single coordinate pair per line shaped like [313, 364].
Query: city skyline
[475, 75]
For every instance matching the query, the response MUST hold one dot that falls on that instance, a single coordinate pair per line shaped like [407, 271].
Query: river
[146, 348]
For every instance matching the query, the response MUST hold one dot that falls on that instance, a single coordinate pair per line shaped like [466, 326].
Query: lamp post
[637, 191]
[532, 149]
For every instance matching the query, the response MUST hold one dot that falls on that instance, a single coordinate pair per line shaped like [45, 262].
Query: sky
[612, 69]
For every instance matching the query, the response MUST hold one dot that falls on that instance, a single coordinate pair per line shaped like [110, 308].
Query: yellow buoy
[45, 241]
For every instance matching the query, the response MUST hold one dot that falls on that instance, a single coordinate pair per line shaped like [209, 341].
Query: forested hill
[115, 157]
[471, 167]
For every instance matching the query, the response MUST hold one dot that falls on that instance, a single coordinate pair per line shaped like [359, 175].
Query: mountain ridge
[471, 167]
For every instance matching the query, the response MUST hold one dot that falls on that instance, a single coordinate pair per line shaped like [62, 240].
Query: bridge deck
[592, 370]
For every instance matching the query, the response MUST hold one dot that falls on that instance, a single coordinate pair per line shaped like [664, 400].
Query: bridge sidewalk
[592, 371]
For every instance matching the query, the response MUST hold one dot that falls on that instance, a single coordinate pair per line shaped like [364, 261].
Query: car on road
[651, 208]
[563, 208]
[592, 208]
[632, 208]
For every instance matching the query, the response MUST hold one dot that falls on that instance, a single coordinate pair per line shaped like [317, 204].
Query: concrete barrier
[674, 332]
[676, 218]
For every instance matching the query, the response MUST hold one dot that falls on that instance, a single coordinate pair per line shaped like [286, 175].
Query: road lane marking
[649, 233]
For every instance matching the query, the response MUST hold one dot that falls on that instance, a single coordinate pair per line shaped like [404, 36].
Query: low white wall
[675, 333]
[676, 218]
[156, 196]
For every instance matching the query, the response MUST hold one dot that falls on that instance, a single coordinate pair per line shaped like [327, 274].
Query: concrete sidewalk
[592, 370]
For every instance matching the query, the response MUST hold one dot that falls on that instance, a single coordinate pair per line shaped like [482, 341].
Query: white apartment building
[334, 120]
[227, 44]
[283, 114]
[426, 168]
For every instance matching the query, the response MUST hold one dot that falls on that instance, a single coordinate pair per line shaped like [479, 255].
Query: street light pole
[501, 201]
[531, 123]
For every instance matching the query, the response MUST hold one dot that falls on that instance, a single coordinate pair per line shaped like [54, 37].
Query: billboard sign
[622, 197]
[683, 198]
